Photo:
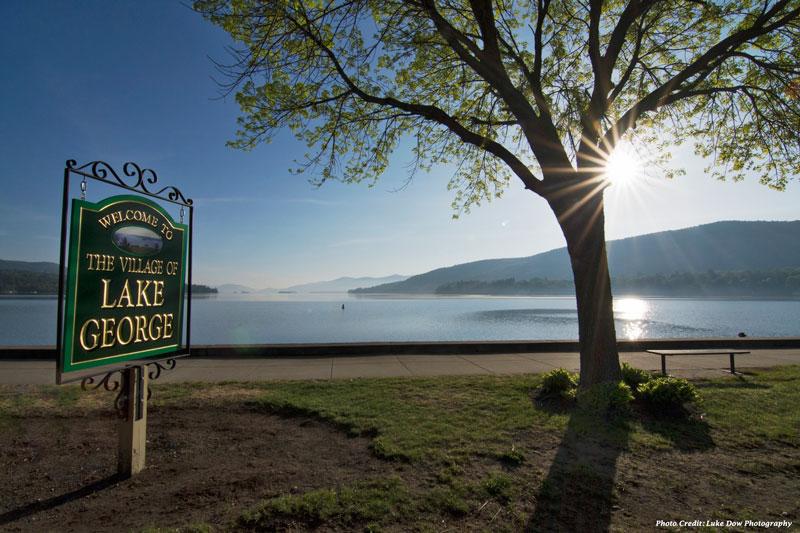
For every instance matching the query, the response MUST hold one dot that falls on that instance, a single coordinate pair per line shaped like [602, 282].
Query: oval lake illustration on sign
[137, 240]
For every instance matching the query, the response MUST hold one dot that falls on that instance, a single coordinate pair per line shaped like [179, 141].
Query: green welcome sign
[125, 282]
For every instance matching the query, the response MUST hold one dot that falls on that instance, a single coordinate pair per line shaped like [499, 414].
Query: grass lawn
[480, 454]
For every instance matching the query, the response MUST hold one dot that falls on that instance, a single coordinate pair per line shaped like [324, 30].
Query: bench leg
[663, 366]
[733, 367]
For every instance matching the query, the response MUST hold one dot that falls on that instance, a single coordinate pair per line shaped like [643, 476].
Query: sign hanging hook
[83, 189]
[183, 212]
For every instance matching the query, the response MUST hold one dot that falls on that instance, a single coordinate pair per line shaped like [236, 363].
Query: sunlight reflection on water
[634, 315]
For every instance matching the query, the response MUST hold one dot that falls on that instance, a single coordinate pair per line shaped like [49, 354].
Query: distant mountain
[25, 266]
[723, 246]
[344, 284]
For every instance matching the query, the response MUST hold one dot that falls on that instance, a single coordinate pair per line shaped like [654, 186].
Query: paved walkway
[33, 372]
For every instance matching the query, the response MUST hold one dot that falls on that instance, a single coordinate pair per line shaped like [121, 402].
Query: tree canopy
[503, 88]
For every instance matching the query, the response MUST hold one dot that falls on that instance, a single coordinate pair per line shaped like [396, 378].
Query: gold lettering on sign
[135, 265]
[142, 293]
[157, 334]
[172, 268]
[141, 324]
[158, 293]
[126, 295]
[166, 232]
[104, 263]
[136, 215]
[149, 293]
[108, 332]
[168, 325]
[86, 346]
[105, 304]
[125, 320]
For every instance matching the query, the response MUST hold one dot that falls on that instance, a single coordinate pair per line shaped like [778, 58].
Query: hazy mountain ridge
[342, 284]
[46, 270]
[345, 284]
[722, 246]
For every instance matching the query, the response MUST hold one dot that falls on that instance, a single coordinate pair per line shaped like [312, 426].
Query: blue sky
[132, 81]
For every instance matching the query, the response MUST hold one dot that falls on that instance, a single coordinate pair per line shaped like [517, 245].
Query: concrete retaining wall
[433, 348]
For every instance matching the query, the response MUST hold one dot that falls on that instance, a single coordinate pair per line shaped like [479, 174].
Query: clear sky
[126, 81]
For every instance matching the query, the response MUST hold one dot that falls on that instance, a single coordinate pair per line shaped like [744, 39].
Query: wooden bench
[715, 351]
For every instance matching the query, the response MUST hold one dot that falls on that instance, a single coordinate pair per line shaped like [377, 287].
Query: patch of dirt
[204, 464]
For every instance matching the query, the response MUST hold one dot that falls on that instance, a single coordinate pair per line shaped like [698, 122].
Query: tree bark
[580, 213]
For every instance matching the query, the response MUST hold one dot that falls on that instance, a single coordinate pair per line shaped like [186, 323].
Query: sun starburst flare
[624, 166]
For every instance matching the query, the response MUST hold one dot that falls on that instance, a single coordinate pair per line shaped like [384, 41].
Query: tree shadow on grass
[578, 493]
[580, 490]
[56, 501]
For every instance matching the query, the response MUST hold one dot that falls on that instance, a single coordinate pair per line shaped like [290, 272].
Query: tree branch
[540, 132]
[484, 16]
[683, 83]
[429, 112]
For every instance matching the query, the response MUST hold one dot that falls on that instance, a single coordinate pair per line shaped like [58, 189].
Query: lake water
[312, 318]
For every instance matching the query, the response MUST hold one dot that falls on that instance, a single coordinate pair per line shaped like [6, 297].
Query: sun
[624, 166]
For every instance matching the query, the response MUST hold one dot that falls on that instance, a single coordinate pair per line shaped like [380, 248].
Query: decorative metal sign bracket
[102, 171]
[123, 384]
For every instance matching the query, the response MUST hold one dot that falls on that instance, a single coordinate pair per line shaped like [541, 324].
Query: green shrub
[612, 398]
[634, 377]
[559, 380]
[668, 393]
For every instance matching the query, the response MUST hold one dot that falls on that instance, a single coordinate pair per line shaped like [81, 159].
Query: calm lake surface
[301, 318]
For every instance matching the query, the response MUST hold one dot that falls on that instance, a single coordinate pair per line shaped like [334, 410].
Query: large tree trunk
[580, 213]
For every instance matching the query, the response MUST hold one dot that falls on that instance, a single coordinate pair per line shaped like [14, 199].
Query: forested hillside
[743, 283]
[25, 282]
[719, 247]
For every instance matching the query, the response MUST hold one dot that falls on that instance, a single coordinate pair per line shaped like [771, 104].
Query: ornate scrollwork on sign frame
[102, 171]
[155, 373]
[116, 384]
[88, 383]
